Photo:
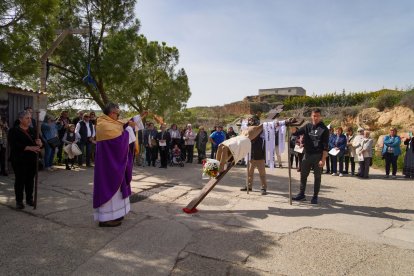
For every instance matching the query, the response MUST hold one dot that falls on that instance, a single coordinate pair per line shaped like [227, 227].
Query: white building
[284, 91]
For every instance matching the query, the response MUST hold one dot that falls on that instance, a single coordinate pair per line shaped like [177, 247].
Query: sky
[232, 48]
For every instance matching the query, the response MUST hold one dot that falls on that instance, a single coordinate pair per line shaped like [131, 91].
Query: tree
[26, 26]
[84, 66]
[153, 82]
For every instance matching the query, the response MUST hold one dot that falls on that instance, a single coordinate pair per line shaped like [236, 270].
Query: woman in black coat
[23, 156]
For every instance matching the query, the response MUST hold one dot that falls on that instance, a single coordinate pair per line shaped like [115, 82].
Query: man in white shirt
[86, 131]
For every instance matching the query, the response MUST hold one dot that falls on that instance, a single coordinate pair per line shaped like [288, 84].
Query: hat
[360, 129]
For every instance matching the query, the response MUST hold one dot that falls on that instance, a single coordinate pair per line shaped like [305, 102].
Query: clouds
[231, 48]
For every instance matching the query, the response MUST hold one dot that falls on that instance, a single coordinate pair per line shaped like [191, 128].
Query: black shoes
[245, 189]
[19, 205]
[263, 192]
[299, 197]
[314, 200]
[110, 223]
[30, 202]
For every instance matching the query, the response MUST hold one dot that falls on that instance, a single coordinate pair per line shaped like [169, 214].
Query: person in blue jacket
[390, 152]
[338, 141]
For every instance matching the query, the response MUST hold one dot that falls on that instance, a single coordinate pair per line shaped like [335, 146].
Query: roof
[294, 87]
[19, 89]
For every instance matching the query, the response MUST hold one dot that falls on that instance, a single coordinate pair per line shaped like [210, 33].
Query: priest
[115, 149]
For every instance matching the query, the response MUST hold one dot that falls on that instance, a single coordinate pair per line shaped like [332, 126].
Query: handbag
[54, 142]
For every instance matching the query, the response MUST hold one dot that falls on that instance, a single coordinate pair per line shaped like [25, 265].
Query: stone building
[284, 91]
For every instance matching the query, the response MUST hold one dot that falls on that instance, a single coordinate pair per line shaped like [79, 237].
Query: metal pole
[289, 166]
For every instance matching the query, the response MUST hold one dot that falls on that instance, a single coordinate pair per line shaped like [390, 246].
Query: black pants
[391, 160]
[85, 147]
[3, 159]
[60, 152]
[164, 156]
[151, 154]
[311, 161]
[347, 159]
[328, 165]
[201, 155]
[190, 153]
[24, 180]
[365, 167]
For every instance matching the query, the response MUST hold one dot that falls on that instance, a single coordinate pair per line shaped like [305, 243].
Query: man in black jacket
[316, 140]
[86, 131]
[163, 140]
[150, 142]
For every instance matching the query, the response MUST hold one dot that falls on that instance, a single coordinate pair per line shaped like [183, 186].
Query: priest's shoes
[110, 223]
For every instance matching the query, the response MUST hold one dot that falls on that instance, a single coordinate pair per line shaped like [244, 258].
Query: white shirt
[90, 132]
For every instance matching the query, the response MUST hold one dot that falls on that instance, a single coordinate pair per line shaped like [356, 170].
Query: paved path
[360, 227]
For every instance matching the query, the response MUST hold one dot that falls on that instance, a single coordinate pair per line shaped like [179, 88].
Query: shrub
[387, 100]
[408, 99]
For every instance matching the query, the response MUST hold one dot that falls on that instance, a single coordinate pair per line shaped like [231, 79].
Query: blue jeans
[335, 158]
[86, 153]
[49, 155]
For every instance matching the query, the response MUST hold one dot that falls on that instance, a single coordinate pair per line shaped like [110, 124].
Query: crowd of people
[352, 153]
[348, 153]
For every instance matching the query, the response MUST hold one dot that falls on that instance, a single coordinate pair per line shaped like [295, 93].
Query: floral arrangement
[210, 167]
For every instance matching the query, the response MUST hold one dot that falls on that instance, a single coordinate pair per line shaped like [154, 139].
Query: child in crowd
[70, 137]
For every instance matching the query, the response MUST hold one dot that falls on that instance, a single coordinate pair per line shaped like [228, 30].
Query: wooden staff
[37, 162]
[247, 179]
[289, 166]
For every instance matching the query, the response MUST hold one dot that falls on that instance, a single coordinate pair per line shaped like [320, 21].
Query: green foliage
[335, 99]
[26, 27]
[152, 81]
[387, 100]
[407, 99]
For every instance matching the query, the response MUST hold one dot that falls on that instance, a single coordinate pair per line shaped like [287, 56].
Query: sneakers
[110, 223]
[394, 177]
[299, 197]
[386, 176]
[333, 174]
[340, 175]
[263, 192]
[30, 202]
[314, 200]
[19, 205]
[245, 189]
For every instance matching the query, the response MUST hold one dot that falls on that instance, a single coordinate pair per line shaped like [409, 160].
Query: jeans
[85, 147]
[311, 161]
[391, 160]
[335, 159]
[213, 152]
[49, 155]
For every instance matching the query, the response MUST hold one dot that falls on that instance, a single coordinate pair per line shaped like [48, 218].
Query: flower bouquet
[210, 168]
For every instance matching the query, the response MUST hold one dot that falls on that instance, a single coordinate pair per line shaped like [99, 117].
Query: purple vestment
[113, 168]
